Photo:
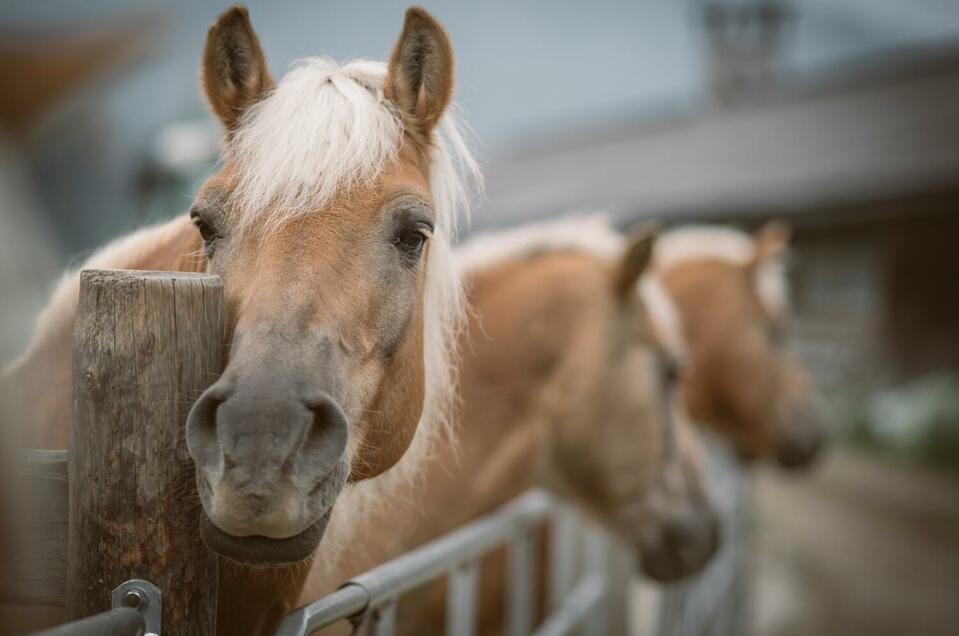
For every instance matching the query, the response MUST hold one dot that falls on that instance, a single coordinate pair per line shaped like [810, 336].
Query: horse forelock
[325, 127]
[704, 242]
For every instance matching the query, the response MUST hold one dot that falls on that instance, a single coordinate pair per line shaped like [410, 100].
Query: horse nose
[694, 537]
[253, 436]
[262, 454]
[803, 441]
[687, 542]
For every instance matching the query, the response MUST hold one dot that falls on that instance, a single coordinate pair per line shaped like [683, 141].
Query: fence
[716, 601]
[146, 344]
[588, 578]
[370, 599]
[112, 520]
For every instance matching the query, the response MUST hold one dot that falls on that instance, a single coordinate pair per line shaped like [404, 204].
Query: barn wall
[877, 302]
[920, 283]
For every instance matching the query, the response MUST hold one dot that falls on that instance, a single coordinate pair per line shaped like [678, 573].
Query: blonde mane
[589, 233]
[699, 242]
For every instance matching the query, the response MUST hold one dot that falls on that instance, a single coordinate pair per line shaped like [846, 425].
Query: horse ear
[420, 76]
[771, 241]
[635, 259]
[235, 75]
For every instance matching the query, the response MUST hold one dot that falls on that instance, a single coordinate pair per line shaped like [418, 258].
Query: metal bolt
[133, 598]
[142, 596]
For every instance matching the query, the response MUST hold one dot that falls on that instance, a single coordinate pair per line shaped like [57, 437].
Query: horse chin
[264, 552]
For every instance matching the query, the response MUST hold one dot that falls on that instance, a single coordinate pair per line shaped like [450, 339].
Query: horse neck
[519, 353]
[500, 433]
[172, 246]
[254, 600]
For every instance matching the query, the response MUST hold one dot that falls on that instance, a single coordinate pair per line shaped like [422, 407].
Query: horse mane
[714, 242]
[588, 233]
[152, 247]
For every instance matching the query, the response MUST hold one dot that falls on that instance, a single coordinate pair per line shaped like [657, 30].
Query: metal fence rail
[372, 597]
[714, 603]
[587, 578]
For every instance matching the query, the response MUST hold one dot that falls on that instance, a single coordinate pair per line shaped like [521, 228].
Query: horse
[566, 385]
[330, 220]
[731, 293]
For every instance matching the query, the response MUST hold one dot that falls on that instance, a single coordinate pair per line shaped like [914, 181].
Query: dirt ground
[861, 545]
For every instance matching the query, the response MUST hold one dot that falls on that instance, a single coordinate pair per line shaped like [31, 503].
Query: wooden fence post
[146, 344]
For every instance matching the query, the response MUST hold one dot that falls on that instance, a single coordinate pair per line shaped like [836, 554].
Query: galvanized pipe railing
[578, 606]
[583, 586]
[372, 596]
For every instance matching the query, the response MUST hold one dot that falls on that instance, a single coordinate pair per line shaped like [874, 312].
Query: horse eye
[411, 239]
[672, 371]
[206, 230]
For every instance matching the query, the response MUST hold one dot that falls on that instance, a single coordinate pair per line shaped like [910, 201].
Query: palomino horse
[564, 385]
[330, 221]
[731, 293]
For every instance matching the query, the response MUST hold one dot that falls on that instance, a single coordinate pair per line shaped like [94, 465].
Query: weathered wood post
[146, 344]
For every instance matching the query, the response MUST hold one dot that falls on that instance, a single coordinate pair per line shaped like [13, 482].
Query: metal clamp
[144, 597]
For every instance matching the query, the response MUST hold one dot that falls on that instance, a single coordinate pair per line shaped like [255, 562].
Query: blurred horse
[329, 221]
[565, 385]
[732, 295]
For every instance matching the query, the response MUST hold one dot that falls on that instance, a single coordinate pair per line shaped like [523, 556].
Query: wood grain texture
[146, 344]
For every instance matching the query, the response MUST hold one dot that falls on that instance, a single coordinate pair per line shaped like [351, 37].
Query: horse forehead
[411, 166]
[715, 277]
[407, 171]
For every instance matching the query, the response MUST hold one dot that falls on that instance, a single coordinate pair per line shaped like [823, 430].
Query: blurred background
[839, 116]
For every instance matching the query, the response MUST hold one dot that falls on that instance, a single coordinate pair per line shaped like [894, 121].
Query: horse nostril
[326, 437]
[201, 433]
[679, 533]
[803, 438]
[323, 407]
[695, 535]
[685, 543]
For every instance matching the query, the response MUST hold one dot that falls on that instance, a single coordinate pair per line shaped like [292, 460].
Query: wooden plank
[38, 576]
[146, 344]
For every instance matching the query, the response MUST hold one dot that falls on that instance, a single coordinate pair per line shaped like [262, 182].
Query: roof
[865, 138]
